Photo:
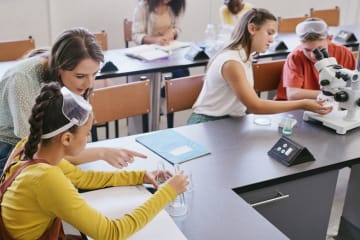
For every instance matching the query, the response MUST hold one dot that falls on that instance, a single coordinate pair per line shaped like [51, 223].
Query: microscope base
[334, 120]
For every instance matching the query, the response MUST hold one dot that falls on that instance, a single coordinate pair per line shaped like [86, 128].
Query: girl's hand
[156, 177]
[317, 106]
[179, 182]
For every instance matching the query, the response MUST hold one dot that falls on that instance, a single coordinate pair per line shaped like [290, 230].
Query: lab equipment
[341, 84]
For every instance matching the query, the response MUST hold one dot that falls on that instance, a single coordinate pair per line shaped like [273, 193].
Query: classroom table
[132, 66]
[238, 171]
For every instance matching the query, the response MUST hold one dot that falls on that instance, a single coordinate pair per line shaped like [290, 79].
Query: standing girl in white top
[228, 86]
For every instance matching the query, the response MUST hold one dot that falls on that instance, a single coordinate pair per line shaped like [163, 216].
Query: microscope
[342, 86]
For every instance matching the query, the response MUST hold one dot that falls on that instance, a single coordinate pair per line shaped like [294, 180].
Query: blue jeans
[5, 150]
[199, 118]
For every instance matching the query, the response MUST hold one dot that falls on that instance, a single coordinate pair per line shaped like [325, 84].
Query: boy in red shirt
[300, 77]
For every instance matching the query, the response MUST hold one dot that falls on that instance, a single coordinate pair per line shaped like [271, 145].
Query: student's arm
[117, 157]
[234, 74]
[57, 195]
[139, 23]
[300, 93]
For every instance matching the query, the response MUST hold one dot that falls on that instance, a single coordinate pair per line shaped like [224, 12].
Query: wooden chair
[267, 75]
[13, 50]
[101, 38]
[181, 94]
[121, 101]
[289, 24]
[330, 16]
[127, 32]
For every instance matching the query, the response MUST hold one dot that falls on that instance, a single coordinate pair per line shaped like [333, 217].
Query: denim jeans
[199, 118]
[5, 150]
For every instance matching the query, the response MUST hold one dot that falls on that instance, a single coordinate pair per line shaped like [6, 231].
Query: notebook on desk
[172, 146]
[146, 52]
[114, 202]
[173, 46]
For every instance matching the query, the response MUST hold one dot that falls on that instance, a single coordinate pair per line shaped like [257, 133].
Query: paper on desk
[173, 45]
[116, 201]
[146, 52]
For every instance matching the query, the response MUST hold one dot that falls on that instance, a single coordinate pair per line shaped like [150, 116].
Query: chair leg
[94, 135]
[107, 134]
[116, 128]
[170, 120]
[145, 122]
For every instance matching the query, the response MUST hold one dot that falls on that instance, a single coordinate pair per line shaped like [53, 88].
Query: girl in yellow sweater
[59, 126]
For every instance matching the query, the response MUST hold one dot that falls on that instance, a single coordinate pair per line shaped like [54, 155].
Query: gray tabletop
[239, 160]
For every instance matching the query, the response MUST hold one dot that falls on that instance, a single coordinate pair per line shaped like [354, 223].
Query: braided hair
[46, 116]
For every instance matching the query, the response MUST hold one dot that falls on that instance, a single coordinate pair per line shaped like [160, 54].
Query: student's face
[309, 46]
[235, 6]
[80, 138]
[262, 36]
[82, 77]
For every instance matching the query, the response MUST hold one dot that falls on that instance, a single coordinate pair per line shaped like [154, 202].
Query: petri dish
[262, 121]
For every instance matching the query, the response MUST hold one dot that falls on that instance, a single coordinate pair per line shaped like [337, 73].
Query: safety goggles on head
[317, 26]
[75, 108]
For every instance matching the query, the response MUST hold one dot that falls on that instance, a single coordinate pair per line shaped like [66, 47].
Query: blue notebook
[172, 146]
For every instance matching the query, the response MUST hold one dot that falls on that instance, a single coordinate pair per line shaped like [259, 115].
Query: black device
[196, 52]
[345, 37]
[289, 152]
[109, 67]
[279, 46]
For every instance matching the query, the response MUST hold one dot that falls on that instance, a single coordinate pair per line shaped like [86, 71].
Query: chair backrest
[121, 101]
[101, 38]
[181, 93]
[13, 50]
[330, 16]
[267, 75]
[289, 24]
[127, 32]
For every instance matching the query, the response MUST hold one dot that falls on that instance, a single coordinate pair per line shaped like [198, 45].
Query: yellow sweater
[42, 192]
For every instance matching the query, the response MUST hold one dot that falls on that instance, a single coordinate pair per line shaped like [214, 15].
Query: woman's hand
[162, 40]
[317, 106]
[120, 158]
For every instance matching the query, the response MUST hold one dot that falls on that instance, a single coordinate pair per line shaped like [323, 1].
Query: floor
[180, 119]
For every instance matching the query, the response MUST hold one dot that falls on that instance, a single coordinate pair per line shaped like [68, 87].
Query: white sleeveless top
[216, 97]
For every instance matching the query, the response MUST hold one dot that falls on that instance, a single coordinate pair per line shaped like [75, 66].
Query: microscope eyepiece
[324, 52]
[318, 54]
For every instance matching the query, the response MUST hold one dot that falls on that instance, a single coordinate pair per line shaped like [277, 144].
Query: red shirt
[300, 72]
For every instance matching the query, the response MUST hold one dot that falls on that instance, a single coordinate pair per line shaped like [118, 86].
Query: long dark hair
[177, 6]
[70, 48]
[46, 116]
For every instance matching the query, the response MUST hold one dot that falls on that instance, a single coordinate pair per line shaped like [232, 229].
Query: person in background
[228, 84]
[73, 61]
[232, 11]
[300, 79]
[60, 123]
[156, 22]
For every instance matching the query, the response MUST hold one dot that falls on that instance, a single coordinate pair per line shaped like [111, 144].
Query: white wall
[45, 19]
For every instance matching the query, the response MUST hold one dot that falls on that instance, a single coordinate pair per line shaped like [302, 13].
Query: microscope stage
[334, 120]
